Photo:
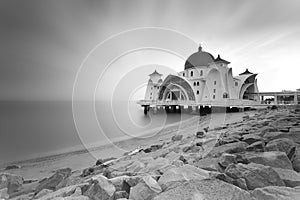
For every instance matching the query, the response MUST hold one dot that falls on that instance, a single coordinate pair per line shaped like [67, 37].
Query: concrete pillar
[194, 110]
[155, 109]
[275, 99]
[262, 99]
[146, 109]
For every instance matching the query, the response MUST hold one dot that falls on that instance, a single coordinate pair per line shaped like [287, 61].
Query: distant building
[203, 79]
[153, 86]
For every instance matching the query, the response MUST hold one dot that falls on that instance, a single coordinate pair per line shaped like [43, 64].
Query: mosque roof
[246, 72]
[219, 59]
[155, 73]
[200, 58]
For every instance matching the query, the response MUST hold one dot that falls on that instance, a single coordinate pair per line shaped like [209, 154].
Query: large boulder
[63, 192]
[3, 193]
[273, 158]
[282, 144]
[209, 164]
[100, 188]
[204, 189]
[276, 193]
[236, 147]
[12, 182]
[186, 172]
[255, 175]
[145, 190]
[296, 160]
[289, 177]
[52, 182]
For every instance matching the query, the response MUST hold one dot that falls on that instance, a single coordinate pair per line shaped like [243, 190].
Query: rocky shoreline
[257, 158]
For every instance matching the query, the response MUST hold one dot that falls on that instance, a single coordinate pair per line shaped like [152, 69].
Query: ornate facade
[204, 79]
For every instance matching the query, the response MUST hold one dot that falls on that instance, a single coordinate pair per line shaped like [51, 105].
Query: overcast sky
[42, 43]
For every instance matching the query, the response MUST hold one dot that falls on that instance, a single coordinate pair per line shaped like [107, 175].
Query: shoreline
[44, 166]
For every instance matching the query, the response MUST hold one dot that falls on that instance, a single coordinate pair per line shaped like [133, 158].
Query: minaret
[153, 86]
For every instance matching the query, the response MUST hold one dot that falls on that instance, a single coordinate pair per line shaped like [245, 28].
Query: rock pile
[258, 158]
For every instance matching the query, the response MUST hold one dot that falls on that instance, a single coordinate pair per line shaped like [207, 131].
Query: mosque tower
[153, 86]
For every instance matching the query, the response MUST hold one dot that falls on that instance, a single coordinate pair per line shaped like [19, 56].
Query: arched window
[197, 91]
[192, 73]
[201, 73]
[198, 83]
[194, 83]
[236, 83]
[214, 96]
[183, 74]
[225, 95]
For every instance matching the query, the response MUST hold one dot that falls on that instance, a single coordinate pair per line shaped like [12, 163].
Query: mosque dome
[200, 58]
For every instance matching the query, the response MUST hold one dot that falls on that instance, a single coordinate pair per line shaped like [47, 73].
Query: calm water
[37, 128]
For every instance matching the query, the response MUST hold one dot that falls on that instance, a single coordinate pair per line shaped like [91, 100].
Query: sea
[30, 129]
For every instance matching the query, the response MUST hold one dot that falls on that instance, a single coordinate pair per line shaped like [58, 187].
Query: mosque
[205, 81]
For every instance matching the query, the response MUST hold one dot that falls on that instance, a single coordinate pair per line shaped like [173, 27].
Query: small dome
[200, 58]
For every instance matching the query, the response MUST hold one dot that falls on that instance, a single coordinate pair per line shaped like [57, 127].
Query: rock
[276, 193]
[227, 159]
[136, 166]
[53, 181]
[12, 182]
[80, 197]
[186, 172]
[251, 138]
[3, 193]
[27, 196]
[119, 182]
[100, 188]
[272, 158]
[177, 138]
[240, 182]
[267, 129]
[296, 164]
[63, 192]
[200, 134]
[289, 177]
[258, 146]
[177, 163]
[236, 147]
[9, 167]
[103, 161]
[156, 165]
[209, 164]
[43, 192]
[255, 175]
[228, 139]
[145, 190]
[172, 156]
[204, 189]
[121, 195]
[296, 160]
[134, 180]
[284, 145]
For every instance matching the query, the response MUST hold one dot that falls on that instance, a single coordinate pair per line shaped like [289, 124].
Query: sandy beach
[38, 168]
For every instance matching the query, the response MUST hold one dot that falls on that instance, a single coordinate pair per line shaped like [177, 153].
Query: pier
[228, 105]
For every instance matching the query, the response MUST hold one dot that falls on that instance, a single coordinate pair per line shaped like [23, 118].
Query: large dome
[200, 58]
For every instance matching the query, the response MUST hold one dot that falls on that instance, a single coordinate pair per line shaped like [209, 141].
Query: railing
[225, 102]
